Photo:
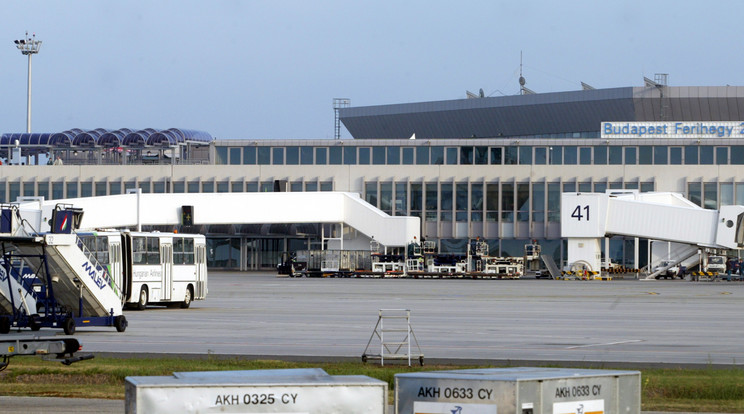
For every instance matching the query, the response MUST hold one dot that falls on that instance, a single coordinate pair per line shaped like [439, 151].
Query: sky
[271, 69]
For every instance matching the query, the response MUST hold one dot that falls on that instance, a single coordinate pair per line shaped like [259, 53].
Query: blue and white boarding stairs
[17, 298]
[17, 301]
[76, 289]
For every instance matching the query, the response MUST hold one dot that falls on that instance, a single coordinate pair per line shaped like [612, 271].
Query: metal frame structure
[391, 349]
[339, 103]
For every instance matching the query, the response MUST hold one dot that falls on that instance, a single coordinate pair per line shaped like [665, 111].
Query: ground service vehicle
[716, 264]
[60, 284]
[154, 268]
[672, 270]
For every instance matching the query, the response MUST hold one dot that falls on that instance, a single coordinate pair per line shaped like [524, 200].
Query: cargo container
[519, 391]
[310, 391]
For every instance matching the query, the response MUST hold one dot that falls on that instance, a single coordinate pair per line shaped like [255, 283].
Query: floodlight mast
[28, 46]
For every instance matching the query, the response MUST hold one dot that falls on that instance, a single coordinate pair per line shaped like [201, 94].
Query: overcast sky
[270, 69]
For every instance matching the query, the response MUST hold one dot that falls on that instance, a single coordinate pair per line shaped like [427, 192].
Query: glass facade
[465, 191]
[482, 204]
[483, 155]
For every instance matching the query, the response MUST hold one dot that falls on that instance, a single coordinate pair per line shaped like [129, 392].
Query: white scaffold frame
[392, 348]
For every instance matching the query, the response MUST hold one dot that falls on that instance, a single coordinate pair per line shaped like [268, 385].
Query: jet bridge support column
[584, 254]
[636, 252]
[607, 259]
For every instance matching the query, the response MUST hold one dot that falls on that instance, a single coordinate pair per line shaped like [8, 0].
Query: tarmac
[34, 405]
[20, 405]
[610, 324]
[52, 405]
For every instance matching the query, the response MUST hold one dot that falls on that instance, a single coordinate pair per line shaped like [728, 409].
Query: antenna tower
[339, 103]
[523, 90]
[521, 78]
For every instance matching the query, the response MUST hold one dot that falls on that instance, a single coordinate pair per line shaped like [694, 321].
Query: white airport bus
[152, 268]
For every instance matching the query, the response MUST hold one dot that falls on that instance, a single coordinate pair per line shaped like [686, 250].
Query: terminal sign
[730, 129]
[582, 215]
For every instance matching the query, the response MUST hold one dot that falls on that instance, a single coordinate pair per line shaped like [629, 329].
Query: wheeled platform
[61, 350]
[74, 290]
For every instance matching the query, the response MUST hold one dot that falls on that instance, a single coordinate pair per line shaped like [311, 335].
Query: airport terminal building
[491, 168]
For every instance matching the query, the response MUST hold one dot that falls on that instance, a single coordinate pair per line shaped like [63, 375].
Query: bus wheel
[120, 323]
[187, 299]
[142, 302]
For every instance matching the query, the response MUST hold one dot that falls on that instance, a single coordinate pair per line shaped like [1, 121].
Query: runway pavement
[601, 323]
[607, 322]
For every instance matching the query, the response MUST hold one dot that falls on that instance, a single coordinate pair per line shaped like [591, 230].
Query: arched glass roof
[25, 139]
[163, 138]
[113, 138]
[137, 139]
[125, 137]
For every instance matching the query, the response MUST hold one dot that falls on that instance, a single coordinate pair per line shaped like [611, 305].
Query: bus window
[183, 251]
[145, 250]
[177, 250]
[188, 251]
[98, 246]
[139, 251]
[102, 250]
[153, 250]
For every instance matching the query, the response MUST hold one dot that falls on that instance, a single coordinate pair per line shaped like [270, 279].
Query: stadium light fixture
[28, 47]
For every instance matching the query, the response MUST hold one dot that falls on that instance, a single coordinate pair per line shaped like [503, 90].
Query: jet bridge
[586, 218]
[358, 220]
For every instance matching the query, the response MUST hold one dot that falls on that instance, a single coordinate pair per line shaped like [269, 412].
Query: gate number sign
[578, 215]
[581, 214]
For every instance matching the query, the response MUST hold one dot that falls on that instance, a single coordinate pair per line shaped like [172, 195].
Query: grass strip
[689, 390]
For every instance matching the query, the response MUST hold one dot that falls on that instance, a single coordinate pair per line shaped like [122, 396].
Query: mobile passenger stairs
[72, 288]
[16, 297]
